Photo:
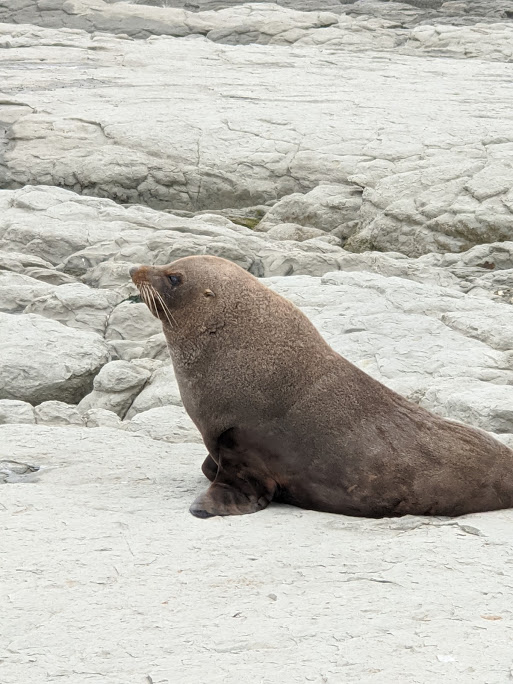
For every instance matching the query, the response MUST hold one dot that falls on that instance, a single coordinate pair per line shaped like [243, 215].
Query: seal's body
[286, 418]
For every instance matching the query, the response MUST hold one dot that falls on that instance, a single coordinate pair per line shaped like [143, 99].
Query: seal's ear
[209, 293]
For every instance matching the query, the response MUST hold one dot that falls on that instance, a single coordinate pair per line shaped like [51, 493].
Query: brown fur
[286, 418]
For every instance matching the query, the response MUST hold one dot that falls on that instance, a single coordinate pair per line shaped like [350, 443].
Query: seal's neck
[193, 349]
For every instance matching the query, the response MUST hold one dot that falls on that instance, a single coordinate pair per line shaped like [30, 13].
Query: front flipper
[209, 468]
[225, 499]
[241, 484]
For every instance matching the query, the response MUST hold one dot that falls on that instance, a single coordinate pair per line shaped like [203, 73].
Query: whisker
[164, 306]
[145, 295]
[150, 296]
[155, 294]
[168, 313]
[152, 299]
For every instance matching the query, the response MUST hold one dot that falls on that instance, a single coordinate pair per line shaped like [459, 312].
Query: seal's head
[184, 283]
[192, 284]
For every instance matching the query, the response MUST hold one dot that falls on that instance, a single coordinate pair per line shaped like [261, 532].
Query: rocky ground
[357, 156]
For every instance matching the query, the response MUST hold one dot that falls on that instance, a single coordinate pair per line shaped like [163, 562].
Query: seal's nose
[133, 271]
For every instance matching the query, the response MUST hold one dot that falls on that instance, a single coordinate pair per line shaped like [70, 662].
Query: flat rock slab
[189, 123]
[107, 578]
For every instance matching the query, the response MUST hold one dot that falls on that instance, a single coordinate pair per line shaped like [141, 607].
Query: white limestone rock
[449, 206]
[18, 290]
[15, 411]
[160, 390]
[19, 262]
[445, 186]
[150, 365]
[101, 418]
[126, 350]
[495, 329]
[156, 348]
[166, 423]
[34, 267]
[249, 23]
[131, 321]
[293, 231]
[493, 256]
[380, 23]
[57, 413]
[397, 265]
[239, 246]
[53, 232]
[77, 306]
[109, 514]
[481, 404]
[115, 387]
[330, 208]
[484, 268]
[257, 254]
[43, 360]
[111, 275]
[50, 276]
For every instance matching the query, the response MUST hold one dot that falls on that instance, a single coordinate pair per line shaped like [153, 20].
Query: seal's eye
[174, 280]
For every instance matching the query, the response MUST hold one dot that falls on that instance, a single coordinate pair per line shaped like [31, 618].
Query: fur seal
[285, 418]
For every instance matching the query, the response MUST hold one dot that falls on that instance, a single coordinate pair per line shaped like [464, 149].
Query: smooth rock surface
[18, 262]
[156, 348]
[77, 306]
[18, 290]
[99, 417]
[487, 406]
[115, 387]
[106, 531]
[126, 350]
[284, 123]
[14, 411]
[293, 231]
[165, 423]
[57, 413]
[131, 321]
[160, 390]
[330, 208]
[42, 360]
